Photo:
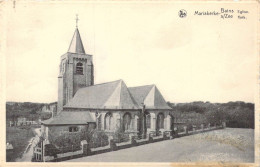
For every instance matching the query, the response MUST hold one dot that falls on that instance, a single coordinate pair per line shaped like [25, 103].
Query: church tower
[76, 71]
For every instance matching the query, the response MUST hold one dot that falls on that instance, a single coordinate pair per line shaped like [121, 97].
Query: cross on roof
[77, 19]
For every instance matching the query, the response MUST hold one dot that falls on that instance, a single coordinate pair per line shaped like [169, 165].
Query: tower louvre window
[79, 68]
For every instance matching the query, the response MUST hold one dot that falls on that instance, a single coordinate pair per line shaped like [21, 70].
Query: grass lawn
[19, 138]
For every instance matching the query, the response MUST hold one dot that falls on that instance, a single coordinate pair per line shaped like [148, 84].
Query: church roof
[70, 118]
[111, 95]
[150, 96]
[76, 45]
[140, 92]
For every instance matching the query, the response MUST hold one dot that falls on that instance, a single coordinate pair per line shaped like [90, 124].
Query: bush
[179, 129]
[67, 142]
[98, 139]
[120, 136]
[51, 150]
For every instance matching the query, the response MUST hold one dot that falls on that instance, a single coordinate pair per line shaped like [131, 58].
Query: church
[107, 107]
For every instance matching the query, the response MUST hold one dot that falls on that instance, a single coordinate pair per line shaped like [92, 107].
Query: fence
[120, 142]
[51, 150]
[121, 137]
[99, 143]
[71, 148]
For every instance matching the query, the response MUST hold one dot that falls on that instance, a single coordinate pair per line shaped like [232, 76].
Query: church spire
[76, 45]
[77, 19]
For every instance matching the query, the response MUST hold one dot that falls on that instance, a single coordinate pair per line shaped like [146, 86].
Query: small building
[9, 146]
[67, 122]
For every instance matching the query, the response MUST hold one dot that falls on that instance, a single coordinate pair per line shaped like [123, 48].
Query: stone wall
[86, 150]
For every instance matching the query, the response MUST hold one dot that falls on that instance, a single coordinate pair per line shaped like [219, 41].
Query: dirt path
[28, 153]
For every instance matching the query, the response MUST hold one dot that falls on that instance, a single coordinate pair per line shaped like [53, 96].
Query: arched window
[108, 121]
[148, 121]
[160, 119]
[126, 121]
[79, 68]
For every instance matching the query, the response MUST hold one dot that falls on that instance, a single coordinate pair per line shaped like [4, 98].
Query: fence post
[85, 147]
[43, 150]
[132, 139]
[202, 127]
[223, 124]
[193, 128]
[164, 135]
[112, 143]
[150, 137]
[185, 129]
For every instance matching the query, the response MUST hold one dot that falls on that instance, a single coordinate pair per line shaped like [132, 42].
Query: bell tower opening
[79, 68]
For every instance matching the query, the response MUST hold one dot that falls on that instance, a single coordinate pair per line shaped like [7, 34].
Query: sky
[196, 58]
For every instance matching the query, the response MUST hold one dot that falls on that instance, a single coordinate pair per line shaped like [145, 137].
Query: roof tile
[70, 118]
